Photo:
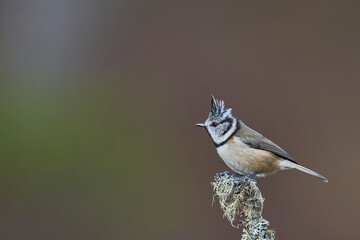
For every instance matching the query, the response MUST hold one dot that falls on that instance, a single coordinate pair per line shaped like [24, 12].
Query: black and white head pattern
[221, 123]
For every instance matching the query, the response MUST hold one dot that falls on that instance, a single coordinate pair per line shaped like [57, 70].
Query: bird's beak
[200, 124]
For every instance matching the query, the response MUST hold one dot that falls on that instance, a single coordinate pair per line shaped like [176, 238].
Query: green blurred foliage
[86, 149]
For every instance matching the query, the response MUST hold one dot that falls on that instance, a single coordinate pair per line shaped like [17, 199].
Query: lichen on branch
[240, 198]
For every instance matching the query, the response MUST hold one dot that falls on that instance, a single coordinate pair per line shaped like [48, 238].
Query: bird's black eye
[214, 124]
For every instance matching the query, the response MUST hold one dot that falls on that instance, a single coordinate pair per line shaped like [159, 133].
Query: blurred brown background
[99, 98]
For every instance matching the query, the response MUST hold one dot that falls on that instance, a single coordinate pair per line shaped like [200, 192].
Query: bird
[245, 151]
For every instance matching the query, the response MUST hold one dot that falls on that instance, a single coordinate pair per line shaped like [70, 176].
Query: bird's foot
[241, 179]
[225, 173]
[235, 176]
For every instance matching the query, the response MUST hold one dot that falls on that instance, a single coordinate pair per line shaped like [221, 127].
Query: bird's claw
[237, 179]
[225, 173]
[241, 179]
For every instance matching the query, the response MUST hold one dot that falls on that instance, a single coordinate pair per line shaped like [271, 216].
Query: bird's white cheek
[218, 138]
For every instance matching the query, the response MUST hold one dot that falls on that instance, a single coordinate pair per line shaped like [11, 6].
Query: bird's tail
[287, 165]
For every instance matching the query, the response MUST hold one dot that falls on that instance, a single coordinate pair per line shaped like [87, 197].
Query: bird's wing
[255, 140]
[270, 148]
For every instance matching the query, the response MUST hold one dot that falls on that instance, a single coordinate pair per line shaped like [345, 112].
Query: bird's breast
[246, 160]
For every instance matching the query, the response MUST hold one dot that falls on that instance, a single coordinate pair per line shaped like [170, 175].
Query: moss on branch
[240, 198]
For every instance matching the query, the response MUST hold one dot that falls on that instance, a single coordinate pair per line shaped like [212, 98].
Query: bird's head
[221, 123]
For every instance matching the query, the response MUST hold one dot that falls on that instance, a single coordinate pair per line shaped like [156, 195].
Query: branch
[242, 197]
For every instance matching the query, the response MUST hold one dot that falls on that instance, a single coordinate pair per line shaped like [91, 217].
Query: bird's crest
[218, 108]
